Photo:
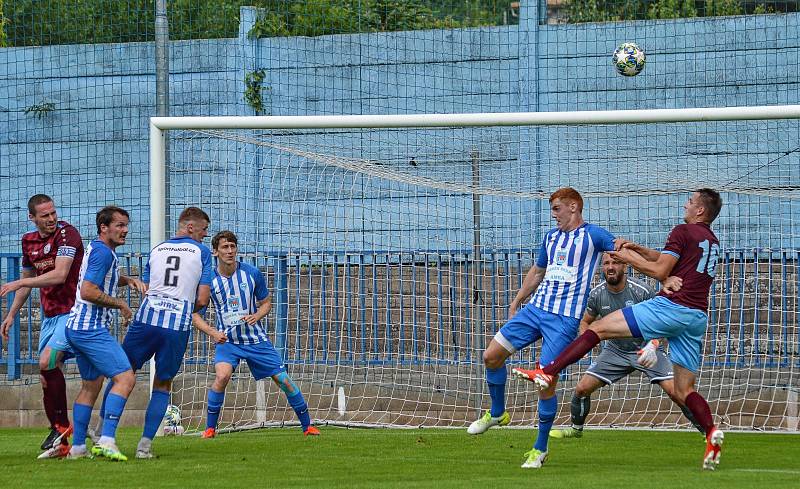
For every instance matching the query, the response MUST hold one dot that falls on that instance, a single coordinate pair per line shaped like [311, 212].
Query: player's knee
[49, 359]
[669, 389]
[583, 390]
[285, 383]
[125, 381]
[493, 360]
[680, 394]
[162, 385]
[221, 381]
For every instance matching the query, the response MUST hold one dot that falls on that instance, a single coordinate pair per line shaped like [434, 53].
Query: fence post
[12, 273]
[281, 304]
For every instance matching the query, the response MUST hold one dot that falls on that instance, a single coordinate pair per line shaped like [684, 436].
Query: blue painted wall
[92, 149]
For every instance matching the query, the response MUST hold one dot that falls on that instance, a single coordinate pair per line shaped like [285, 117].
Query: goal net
[392, 253]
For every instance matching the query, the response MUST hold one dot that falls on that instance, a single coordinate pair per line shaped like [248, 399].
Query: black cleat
[47, 444]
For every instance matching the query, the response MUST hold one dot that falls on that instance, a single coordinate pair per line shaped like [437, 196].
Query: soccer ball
[173, 416]
[172, 421]
[628, 59]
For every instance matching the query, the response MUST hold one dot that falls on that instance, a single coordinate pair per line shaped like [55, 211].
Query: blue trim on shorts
[633, 325]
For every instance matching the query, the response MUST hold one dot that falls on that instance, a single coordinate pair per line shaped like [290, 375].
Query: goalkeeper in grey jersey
[619, 357]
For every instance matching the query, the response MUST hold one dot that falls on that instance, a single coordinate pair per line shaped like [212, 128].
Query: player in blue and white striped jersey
[560, 282]
[242, 301]
[179, 273]
[97, 353]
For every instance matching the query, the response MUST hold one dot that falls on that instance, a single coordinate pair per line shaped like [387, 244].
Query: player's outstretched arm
[264, 307]
[647, 253]
[658, 269]
[532, 280]
[29, 280]
[201, 324]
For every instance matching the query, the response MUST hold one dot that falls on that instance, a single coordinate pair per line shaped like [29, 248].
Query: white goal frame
[159, 126]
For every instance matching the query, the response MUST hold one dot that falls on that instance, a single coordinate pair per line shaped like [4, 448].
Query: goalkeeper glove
[647, 355]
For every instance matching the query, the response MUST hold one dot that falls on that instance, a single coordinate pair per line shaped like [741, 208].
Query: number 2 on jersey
[170, 273]
[708, 262]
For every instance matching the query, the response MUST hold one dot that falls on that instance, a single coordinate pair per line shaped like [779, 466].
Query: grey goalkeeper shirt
[603, 302]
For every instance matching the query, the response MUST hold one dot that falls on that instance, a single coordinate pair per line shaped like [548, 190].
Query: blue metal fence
[441, 307]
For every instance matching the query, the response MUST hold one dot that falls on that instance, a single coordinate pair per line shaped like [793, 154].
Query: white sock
[77, 449]
[107, 440]
[144, 444]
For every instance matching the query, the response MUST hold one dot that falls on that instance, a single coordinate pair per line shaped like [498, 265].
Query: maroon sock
[702, 413]
[55, 396]
[573, 352]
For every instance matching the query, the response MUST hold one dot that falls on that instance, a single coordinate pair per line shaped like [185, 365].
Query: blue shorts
[262, 358]
[683, 326]
[168, 345]
[53, 333]
[531, 323]
[97, 353]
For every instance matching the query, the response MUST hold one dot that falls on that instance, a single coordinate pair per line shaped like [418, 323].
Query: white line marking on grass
[770, 471]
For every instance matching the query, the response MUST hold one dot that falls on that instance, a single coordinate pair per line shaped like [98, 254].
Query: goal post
[393, 245]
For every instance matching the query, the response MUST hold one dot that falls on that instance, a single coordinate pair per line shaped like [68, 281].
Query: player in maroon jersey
[51, 261]
[691, 254]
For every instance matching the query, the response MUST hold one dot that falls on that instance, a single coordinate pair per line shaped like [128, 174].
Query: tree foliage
[3, 39]
[578, 11]
[42, 22]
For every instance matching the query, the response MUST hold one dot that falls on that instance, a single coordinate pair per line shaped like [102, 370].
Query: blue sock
[159, 400]
[215, 400]
[81, 415]
[109, 385]
[547, 414]
[115, 404]
[496, 379]
[300, 407]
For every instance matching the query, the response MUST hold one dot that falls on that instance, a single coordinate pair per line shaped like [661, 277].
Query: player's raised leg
[612, 326]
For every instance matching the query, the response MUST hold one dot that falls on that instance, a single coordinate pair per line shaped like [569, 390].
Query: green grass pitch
[412, 458]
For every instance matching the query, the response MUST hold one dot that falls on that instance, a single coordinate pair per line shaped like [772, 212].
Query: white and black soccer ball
[172, 421]
[172, 417]
[628, 59]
